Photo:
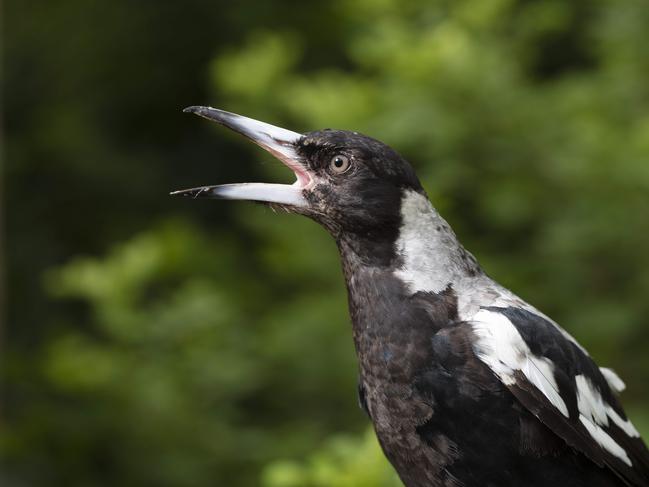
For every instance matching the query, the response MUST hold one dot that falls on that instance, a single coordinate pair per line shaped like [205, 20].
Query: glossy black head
[358, 181]
[350, 183]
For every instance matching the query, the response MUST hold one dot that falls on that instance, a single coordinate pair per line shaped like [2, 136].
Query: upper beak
[278, 141]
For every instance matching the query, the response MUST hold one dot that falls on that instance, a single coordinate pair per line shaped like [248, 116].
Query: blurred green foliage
[342, 462]
[152, 341]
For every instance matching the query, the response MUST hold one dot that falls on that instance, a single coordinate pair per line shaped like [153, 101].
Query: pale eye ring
[339, 164]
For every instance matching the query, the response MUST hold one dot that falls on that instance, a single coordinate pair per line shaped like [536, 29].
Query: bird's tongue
[278, 141]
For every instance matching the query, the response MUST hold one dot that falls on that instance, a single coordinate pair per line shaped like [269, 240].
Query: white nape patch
[613, 379]
[503, 349]
[593, 408]
[430, 251]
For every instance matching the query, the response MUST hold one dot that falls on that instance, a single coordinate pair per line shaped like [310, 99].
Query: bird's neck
[431, 257]
[402, 300]
[411, 291]
[423, 253]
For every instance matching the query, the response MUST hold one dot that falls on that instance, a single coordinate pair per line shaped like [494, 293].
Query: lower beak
[278, 141]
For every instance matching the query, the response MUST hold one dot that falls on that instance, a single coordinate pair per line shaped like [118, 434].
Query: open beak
[278, 141]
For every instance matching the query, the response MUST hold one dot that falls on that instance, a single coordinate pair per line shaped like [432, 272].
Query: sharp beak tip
[213, 114]
[194, 109]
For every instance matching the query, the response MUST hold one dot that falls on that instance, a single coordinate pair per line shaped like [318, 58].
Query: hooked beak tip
[193, 109]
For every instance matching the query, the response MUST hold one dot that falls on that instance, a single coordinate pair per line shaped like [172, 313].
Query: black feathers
[465, 383]
[570, 362]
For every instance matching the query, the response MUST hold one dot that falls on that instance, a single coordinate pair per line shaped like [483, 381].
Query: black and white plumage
[466, 384]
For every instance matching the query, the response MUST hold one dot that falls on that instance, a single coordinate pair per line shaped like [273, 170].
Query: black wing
[558, 382]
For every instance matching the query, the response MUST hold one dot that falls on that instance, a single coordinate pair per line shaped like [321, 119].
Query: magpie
[465, 383]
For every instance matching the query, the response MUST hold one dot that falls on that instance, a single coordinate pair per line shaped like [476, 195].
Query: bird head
[349, 183]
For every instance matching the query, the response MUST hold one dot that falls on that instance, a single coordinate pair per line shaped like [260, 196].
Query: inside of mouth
[302, 177]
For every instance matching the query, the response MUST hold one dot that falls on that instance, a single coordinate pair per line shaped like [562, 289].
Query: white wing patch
[503, 349]
[624, 424]
[613, 379]
[595, 414]
[501, 346]
[604, 440]
[590, 402]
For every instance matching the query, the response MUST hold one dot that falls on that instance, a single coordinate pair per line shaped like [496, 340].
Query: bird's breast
[394, 335]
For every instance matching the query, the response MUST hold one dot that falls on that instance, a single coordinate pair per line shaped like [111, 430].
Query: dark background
[156, 341]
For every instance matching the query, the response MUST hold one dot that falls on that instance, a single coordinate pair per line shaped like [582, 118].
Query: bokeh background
[151, 341]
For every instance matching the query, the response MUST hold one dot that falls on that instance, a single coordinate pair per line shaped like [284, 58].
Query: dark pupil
[338, 162]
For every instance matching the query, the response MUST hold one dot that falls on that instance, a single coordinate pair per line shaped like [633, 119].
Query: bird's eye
[339, 164]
